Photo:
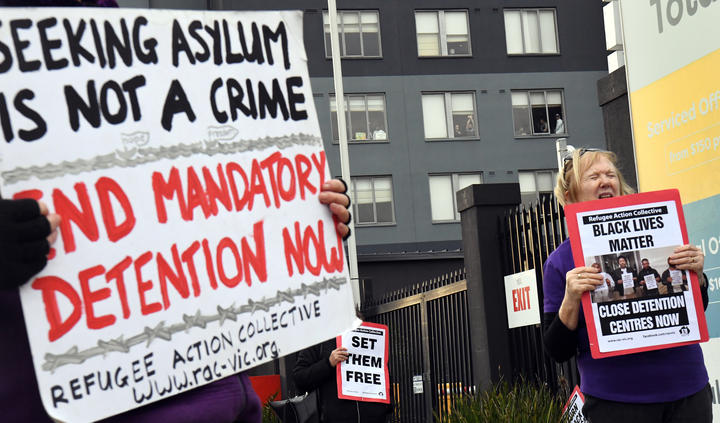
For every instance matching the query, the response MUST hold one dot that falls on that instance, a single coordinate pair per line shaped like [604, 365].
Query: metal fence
[531, 233]
[430, 349]
[430, 360]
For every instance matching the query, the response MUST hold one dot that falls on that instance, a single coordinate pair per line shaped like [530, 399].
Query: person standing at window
[470, 126]
[559, 124]
[543, 127]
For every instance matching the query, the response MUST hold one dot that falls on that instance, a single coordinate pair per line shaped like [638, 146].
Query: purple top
[652, 376]
[227, 400]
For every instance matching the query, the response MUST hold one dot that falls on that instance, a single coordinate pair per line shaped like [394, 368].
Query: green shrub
[522, 402]
[268, 415]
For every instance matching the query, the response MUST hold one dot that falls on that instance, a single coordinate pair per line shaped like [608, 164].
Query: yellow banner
[676, 122]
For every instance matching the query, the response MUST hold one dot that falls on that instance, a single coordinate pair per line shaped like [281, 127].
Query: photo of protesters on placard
[637, 274]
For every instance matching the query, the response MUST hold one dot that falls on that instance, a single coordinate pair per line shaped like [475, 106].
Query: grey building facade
[436, 104]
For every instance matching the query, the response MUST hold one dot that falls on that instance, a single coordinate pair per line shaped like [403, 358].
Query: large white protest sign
[364, 376]
[183, 153]
[640, 225]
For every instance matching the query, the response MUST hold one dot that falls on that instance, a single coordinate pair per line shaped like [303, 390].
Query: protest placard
[572, 412]
[618, 234]
[364, 376]
[182, 150]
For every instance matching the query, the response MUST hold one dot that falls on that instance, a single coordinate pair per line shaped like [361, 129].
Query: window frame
[356, 214]
[341, 34]
[454, 183]
[536, 192]
[537, 10]
[442, 33]
[332, 97]
[532, 133]
[449, 116]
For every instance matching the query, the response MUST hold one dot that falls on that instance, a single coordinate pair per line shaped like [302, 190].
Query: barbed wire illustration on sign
[164, 332]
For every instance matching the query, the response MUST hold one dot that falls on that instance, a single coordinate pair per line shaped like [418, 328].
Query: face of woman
[600, 180]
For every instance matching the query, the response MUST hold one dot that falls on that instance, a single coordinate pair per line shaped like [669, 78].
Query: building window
[365, 117]
[538, 113]
[531, 31]
[443, 203]
[359, 33]
[449, 115]
[536, 184]
[442, 33]
[373, 200]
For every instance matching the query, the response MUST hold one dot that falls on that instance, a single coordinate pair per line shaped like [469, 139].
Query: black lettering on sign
[20, 45]
[74, 38]
[111, 93]
[176, 102]
[20, 105]
[48, 45]
[7, 59]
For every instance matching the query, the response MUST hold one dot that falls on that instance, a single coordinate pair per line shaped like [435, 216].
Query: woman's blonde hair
[568, 179]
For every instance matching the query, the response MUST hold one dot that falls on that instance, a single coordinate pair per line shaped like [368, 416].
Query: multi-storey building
[440, 95]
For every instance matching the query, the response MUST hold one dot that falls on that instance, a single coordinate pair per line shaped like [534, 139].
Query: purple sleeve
[223, 401]
[553, 287]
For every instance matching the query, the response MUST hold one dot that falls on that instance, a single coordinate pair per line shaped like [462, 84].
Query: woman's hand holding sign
[688, 257]
[577, 281]
[581, 279]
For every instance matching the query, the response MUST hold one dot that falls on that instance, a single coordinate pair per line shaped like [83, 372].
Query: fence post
[481, 208]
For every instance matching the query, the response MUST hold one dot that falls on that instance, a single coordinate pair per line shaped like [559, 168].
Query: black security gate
[430, 361]
[530, 234]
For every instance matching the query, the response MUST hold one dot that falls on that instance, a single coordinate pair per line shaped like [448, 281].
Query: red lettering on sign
[217, 192]
[144, 285]
[84, 217]
[227, 244]
[49, 286]
[176, 277]
[303, 175]
[168, 189]
[105, 187]
[240, 202]
[268, 164]
[304, 247]
[521, 298]
[116, 273]
[188, 258]
[90, 297]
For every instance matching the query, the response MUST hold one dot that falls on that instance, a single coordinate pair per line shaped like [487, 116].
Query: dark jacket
[641, 279]
[313, 371]
[617, 277]
[666, 279]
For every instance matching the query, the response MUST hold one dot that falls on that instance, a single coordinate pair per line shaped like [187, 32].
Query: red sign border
[571, 211]
[338, 341]
[572, 395]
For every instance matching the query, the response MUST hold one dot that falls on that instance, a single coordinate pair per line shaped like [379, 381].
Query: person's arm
[27, 230]
[560, 342]
[560, 323]
[315, 365]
